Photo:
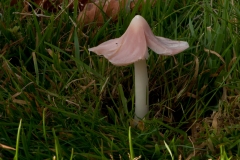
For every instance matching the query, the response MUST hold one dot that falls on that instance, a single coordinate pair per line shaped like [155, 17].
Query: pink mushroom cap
[133, 45]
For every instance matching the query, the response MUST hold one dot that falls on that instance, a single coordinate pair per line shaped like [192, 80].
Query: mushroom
[132, 47]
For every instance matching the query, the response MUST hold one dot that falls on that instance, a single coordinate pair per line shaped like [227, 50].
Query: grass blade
[169, 150]
[130, 144]
[17, 142]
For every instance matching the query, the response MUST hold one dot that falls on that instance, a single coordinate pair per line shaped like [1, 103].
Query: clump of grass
[75, 105]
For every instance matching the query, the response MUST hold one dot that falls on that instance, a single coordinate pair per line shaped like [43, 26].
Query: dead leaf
[215, 116]
[50, 5]
[90, 10]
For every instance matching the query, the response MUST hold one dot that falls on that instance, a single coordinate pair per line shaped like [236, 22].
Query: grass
[58, 101]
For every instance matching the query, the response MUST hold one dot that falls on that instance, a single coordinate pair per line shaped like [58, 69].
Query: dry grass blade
[195, 152]
[215, 53]
[6, 147]
[195, 75]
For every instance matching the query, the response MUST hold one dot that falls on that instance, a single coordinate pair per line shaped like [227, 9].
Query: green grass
[58, 101]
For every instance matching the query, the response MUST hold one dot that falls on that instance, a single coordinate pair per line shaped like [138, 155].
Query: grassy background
[58, 101]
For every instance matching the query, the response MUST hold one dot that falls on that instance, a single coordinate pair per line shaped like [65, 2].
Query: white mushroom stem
[141, 90]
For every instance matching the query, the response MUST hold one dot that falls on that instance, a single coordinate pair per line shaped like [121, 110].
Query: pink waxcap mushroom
[132, 45]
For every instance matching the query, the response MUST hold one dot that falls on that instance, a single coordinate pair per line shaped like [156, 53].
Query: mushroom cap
[132, 45]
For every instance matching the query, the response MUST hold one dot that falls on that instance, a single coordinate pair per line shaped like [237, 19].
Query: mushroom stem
[141, 90]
